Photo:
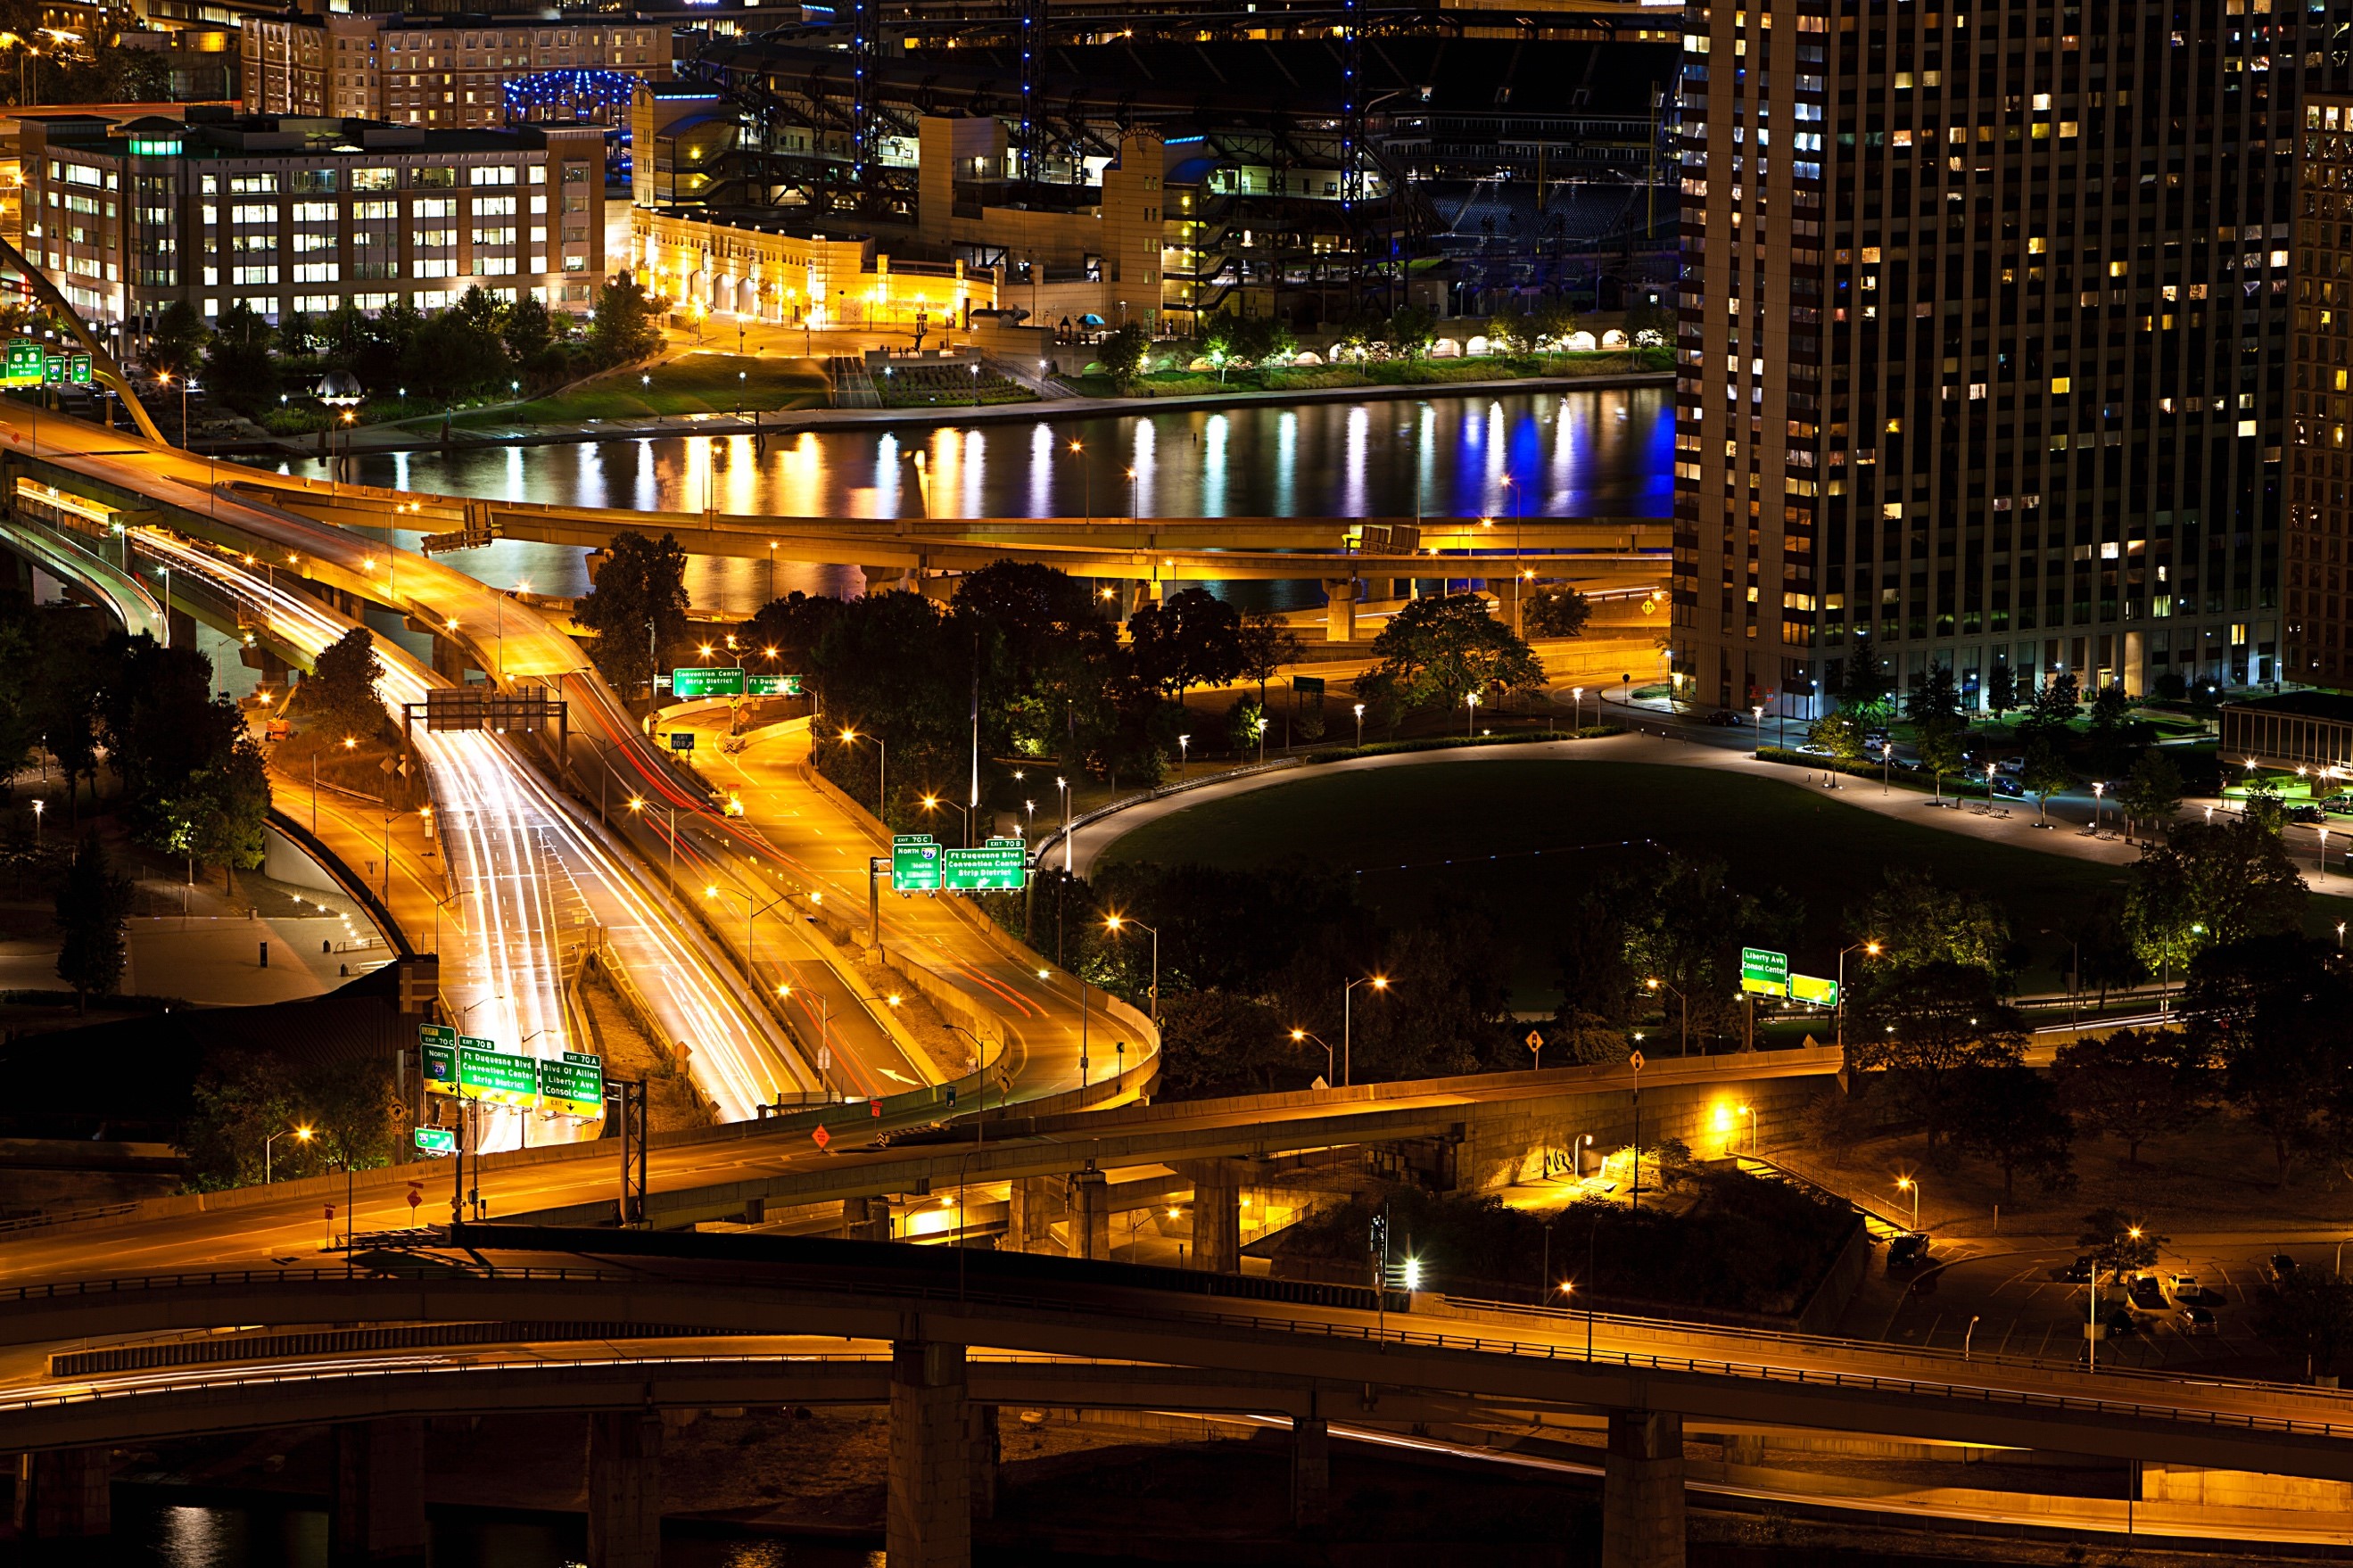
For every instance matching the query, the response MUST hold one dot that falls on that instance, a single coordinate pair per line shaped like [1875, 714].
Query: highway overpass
[1065, 1333]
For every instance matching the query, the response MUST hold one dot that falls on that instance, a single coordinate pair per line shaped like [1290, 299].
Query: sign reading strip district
[500, 1078]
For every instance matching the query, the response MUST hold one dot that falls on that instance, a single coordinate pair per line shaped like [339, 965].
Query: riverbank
[367, 440]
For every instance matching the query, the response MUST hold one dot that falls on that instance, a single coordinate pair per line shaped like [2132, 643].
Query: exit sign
[915, 863]
[436, 1141]
[1764, 972]
[1000, 864]
[706, 681]
[772, 686]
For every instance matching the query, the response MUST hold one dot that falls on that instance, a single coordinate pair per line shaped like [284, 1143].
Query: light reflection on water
[1604, 452]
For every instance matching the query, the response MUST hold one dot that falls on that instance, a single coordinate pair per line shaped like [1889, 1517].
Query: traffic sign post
[693, 681]
[438, 1049]
[501, 1077]
[573, 1086]
[915, 865]
[1000, 865]
[1764, 972]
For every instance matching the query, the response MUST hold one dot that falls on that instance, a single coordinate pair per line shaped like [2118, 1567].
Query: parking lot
[2024, 1307]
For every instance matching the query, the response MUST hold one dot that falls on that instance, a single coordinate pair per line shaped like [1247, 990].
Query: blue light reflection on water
[1603, 453]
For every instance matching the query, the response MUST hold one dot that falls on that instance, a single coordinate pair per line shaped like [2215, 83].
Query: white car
[2184, 1287]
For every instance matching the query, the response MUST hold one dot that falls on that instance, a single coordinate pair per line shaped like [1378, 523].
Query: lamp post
[1114, 924]
[1655, 984]
[933, 803]
[753, 909]
[1348, 1021]
[1470, 712]
[1906, 1184]
[2099, 788]
[1360, 726]
[638, 804]
[1184, 755]
[2092, 1301]
[824, 1038]
[41, 805]
[882, 773]
[299, 1135]
[1869, 950]
[1887, 758]
[1299, 1036]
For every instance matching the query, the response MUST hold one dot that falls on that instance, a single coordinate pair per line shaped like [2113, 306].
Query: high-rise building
[443, 72]
[1984, 339]
[2319, 517]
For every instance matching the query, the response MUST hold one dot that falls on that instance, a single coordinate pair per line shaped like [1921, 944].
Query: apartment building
[293, 214]
[2319, 589]
[442, 73]
[1984, 339]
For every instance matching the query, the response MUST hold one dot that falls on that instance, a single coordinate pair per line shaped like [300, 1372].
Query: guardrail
[1157, 792]
[1384, 1333]
[354, 887]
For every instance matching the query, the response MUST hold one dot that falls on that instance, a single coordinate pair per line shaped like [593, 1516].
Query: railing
[1378, 1334]
[1038, 856]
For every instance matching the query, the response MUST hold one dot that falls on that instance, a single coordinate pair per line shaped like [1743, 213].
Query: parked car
[1726, 719]
[2279, 1267]
[2305, 812]
[2008, 787]
[1908, 1250]
[2078, 1272]
[2147, 1294]
[2186, 1287]
[2196, 1321]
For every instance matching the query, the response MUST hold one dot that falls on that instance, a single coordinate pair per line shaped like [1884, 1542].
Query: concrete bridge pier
[1035, 1205]
[1643, 1491]
[929, 1512]
[380, 1492]
[625, 1489]
[1311, 1470]
[984, 1447]
[1216, 1214]
[866, 1219]
[890, 579]
[65, 1495]
[940, 585]
[1090, 1215]
[1340, 609]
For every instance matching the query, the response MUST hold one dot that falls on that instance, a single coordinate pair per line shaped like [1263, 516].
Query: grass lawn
[1513, 834]
[692, 382]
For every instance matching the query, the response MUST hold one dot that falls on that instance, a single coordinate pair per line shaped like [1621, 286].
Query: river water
[1608, 452]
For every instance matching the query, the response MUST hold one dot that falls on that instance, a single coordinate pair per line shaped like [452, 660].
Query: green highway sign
[1307, 685]
[485, 1072]
[1812, 989]
[574, 1086]
[437, 1048]
[915, 863]
[772, 686]
[1764, 972]
[53, 370]
[24, 362]
[707, 680]
[78, 370]
[436, 1141]
[999, 864]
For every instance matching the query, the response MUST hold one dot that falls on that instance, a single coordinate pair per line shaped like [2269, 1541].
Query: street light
[41, 805]
[881, 770]
[637, 803]
[1347, 1021]
[1114, 923]
[1906, 1184]
[299, 1135]
[933, 803]
[1299, 1036]
[1360, 726]
[1470, 712]
[1183, 754]
[1870, 950]
[2092, 1301]
[1656, 985]
[753, 909]
[824, 1036]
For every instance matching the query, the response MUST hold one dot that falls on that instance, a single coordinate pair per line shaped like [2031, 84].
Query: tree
[1555, 321]
[1265, 643]
[625, 330]
[793, 626]
[1928, 1027]
[1218, 344]
[1189, 639]
[240, 370]
[2151, 793]
[1556, 613]
[2001, 689]
[342, 689]
[1411, 330]
[1862, 686]
[525, 329]
[2011, 1115]
[1510, 329]
[637, 609]
[1216, 1043]
[2110, 730]
[1935, 702]
[177, 344]
[1917, 923]
[456, 354]
[2115, 1241]
[1943, 750]
[219, 814]
[241, 1099]
[2045, 774]
[1840, 733]
[2210, 884]
[2308, 1318]
[93, 907]
[2130, 1085]
[1439, 650]
[1122, 354]
[2055, 704]
[2270, 1012]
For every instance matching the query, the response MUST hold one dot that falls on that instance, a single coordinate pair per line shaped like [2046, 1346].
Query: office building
[1984, 341]
[2318, 593]
[291, 214]
[442, 73]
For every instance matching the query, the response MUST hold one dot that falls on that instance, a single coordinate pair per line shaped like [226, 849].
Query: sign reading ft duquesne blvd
[919, 865]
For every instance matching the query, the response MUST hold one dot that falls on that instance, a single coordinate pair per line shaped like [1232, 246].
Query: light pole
[1347, 1023]
[882, 773]
[1260, 727]
[1906, 1184]
[1184, 755]
[41, 805]
[1577, 707]
[1749, 1111]
[1114, 923]
[1470, 712]
[752, 911]
[1887, 758]
[1063, 788]
[637, 803]
[933, 803]
[299, 1135]
[1655, 984]
[1360, 726]
[2099, 788]
[1869, 950]
[824, 1038]
[1299, 1036]
[1756, 711]
[2092, 1301]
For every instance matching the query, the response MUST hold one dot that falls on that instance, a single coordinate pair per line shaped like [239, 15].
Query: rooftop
[215, 132]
